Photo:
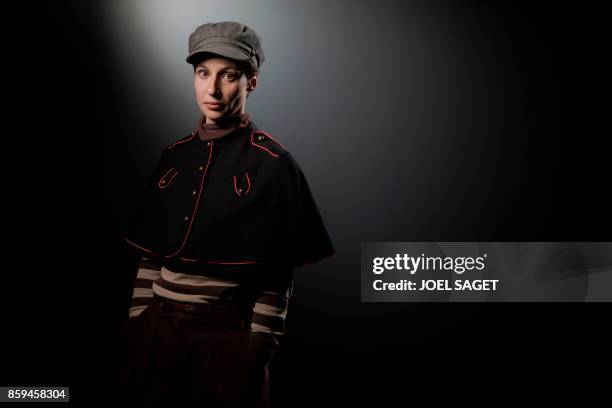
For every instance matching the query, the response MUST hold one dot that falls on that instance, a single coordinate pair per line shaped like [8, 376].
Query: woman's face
[221, 88]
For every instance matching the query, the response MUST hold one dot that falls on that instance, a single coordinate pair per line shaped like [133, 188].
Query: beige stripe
[142, 292]
[194, 280]
[269, 310]
[144, 273]
[137, 310]
[190, 289]
[270, 292]
[263, 329]
[180, 297]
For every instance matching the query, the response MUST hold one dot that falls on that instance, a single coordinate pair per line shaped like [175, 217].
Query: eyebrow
[222, 69]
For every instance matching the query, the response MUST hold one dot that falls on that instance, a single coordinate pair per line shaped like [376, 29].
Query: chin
[214, 114]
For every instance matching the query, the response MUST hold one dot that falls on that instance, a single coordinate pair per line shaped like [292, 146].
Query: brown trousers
[181, 359]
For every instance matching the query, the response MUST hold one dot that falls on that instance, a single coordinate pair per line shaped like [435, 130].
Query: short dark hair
[243, 66]
[247, 68]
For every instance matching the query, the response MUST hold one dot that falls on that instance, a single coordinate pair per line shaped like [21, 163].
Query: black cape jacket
[239, 202]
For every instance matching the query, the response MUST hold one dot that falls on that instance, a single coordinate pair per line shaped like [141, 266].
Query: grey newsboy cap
[228, 39]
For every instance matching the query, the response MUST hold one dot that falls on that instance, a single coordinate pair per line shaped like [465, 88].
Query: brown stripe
[141, 301]
[146, 264]
[143, 283]
[190, 289]
[270, 341]
[273, 322]
[273, 300]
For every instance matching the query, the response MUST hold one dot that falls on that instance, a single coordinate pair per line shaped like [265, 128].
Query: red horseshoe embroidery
[167, 178]
[242, 186]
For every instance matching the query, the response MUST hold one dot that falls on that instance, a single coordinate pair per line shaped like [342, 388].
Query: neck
[226, 121]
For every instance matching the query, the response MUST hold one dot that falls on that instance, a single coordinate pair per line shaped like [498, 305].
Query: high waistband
[232, 314]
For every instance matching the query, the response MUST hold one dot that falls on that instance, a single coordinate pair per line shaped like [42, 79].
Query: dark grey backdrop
[413, 121]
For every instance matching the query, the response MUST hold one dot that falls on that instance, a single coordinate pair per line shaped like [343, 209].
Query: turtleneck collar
[208, 131]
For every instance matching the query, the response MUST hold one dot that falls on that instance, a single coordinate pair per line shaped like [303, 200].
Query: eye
[230, 76]
[202, 72]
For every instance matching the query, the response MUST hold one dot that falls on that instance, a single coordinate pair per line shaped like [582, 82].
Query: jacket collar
[240, 154]
[215, 131]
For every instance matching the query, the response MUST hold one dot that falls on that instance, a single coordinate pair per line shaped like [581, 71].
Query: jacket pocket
[167, 178]
[242, 183]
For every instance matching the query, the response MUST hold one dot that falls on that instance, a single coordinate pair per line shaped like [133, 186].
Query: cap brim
[220, 50]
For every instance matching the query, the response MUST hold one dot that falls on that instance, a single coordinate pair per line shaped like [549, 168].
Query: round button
[186, 218]
[194, 192]
[260, 138]
[208, 143]
[201, 168]
[240, 190]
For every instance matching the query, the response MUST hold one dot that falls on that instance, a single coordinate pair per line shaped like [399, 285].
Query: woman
[225, 218]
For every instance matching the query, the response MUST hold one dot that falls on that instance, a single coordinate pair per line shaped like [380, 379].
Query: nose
[213, 87]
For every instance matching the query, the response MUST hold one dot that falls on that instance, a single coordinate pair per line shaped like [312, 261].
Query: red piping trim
[221, 262]
[248, 188]
[249, 182]
[270, 136]
[161, 181]
[141, 248]
[253, 133]
[195, 260]
[182, 141]
[235, 189]
[195, 208]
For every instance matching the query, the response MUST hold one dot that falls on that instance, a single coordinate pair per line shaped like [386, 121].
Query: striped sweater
[269, 311]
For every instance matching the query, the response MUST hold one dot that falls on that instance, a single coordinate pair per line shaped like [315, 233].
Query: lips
[213, 105]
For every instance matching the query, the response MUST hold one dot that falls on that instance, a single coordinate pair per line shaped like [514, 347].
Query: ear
[252, 84]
